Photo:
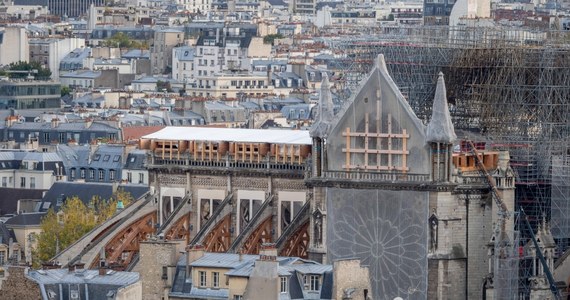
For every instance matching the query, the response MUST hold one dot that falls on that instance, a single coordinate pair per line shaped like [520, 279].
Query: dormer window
[283, 284]
[312, 282]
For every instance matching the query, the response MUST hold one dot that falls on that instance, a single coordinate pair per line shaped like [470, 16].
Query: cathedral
[392, 192]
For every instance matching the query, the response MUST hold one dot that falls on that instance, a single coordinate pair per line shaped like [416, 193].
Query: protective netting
[560, 197]
[387, 231]
[440, 128]
[506, 267]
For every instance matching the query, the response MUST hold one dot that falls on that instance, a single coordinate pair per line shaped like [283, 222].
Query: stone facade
[157, 265]
[351, 279]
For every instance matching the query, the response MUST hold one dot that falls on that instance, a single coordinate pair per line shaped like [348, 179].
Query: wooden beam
[347, 146]
[404, 152]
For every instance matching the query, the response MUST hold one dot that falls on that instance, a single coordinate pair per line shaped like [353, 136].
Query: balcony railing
[374, 176]
[227, 162]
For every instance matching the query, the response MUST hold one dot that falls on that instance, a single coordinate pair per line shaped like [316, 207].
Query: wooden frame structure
[378, 138]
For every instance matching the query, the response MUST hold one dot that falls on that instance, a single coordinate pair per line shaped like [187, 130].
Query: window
[46, 137]
[106, 157]
[283, 285]
[82, 173]
[141, 177]
[101, 175]
[202, 277]
[4, 181]
[72, 174]
[22, 182]
[97, 157]
[91, 174]
[116, 158]
[314, 282]
[2, 257]
[111, 174]
[238, 297]
[130, 177]
[32, 182]
[164, 271]
[216, 279]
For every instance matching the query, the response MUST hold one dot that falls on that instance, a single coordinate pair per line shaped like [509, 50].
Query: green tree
[121, 40]
[65, 90]
[270, 38]
[43, 73]
[74, 220]
[61, 229]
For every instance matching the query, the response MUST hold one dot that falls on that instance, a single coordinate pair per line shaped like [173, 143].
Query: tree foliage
[121, 40]
[74, 220]
[43, 73]
[270, 38]
[65, 90]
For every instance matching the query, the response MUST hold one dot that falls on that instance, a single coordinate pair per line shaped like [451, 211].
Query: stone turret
[325, 112]
[321, 128]
[440, 134]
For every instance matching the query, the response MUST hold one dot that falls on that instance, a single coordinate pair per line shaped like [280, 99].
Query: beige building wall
[130, 292]
[14, 46]
[348, 274]
[257, 49]
[157, 258]
[23, 236]
[161, 52]
[223, 283]
[237, 286]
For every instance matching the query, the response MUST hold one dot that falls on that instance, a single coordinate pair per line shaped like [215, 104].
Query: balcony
[228, 163]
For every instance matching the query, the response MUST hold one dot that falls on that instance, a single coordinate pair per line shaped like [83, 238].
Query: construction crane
[504, 214]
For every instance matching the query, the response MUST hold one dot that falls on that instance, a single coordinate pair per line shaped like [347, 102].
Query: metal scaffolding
[509, 86]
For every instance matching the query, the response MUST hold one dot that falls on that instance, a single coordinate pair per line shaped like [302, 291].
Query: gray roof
[90, 284]
[136, 53]
[292, 267]
[223, 260]
[61, 191]
[87, 276]
[5, 234]
[26, 219]
[185, 53]
[136, 160]
[218, 105]
[87, 74]
[71, 126]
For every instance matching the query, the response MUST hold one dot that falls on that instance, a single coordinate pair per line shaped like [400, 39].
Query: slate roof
[136, 53]
[136, 160]
[26, 219]
[292, 267]
[10, 197]
[185, 53]
[5, 234]
[81, 74]
[60, 191]
[91, 285]
[297, 112]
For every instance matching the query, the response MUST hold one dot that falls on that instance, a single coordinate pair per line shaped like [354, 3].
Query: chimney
[54, 122]
[71, 268]
[268, 251]
[194, 253]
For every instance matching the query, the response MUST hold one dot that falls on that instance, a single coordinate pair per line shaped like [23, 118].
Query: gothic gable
[377, 130]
